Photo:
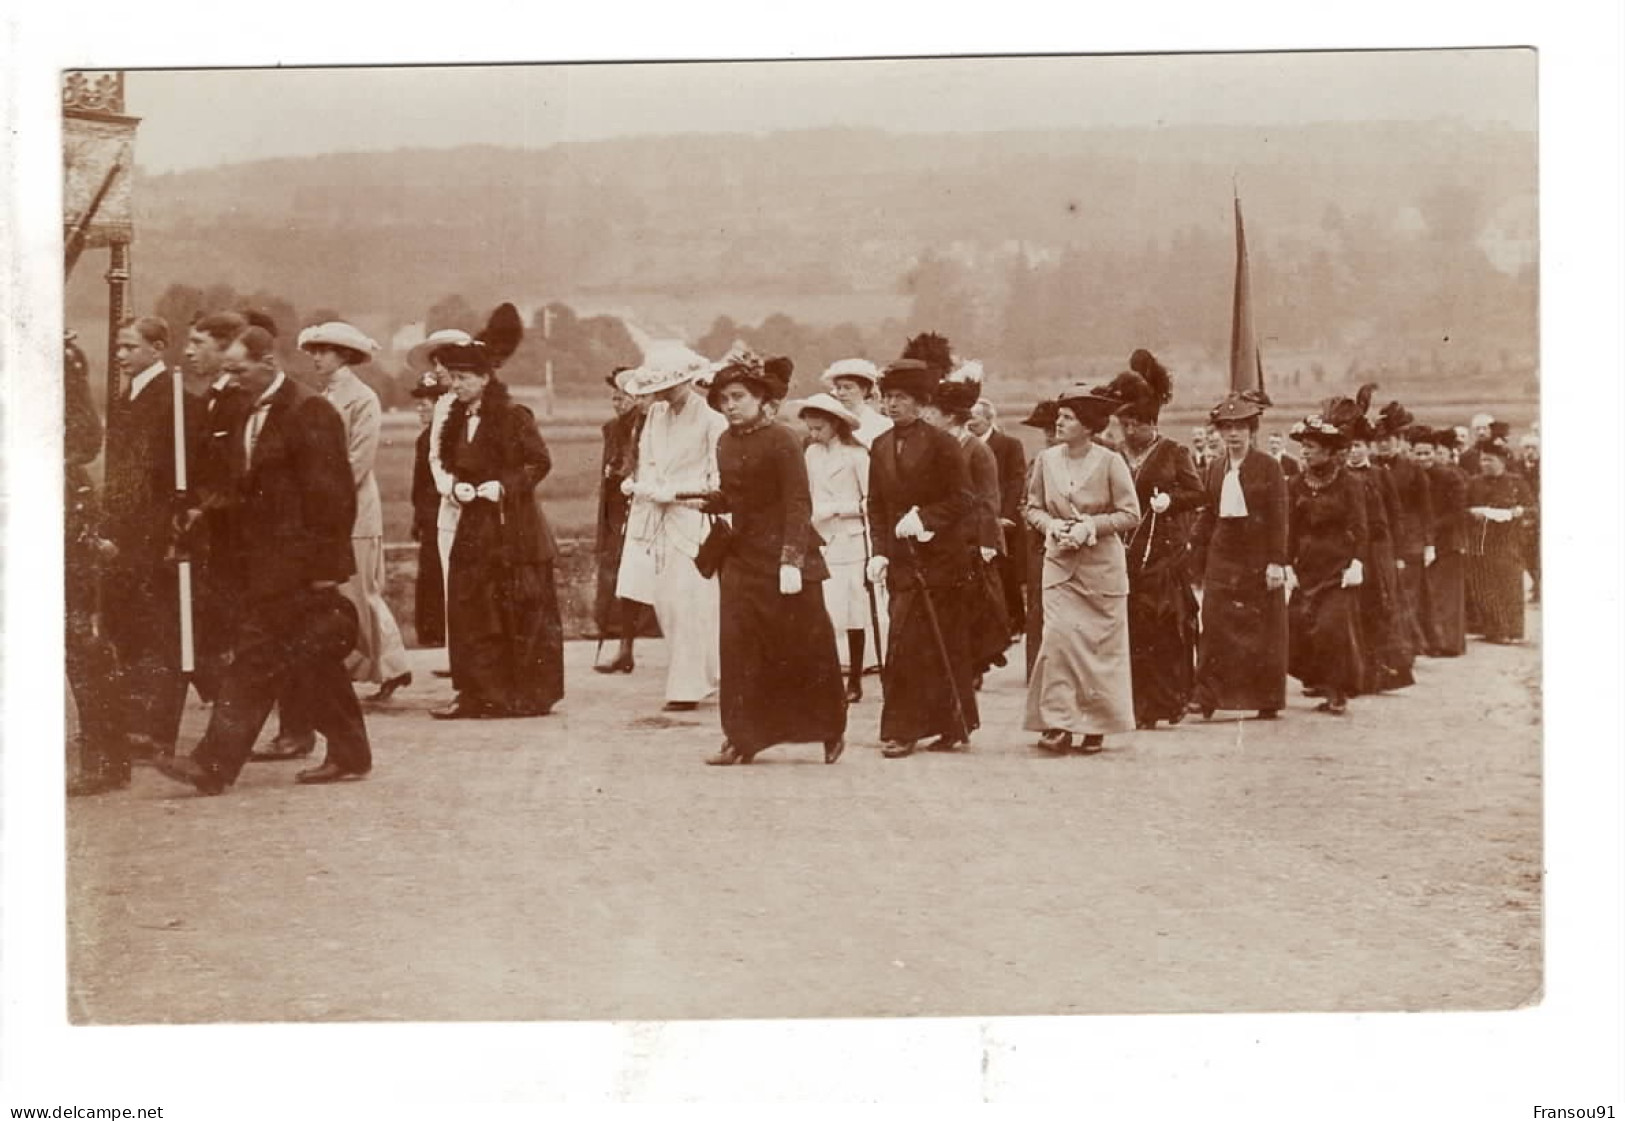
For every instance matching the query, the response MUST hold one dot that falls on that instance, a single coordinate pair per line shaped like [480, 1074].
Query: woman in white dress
[677, 455]
[838, 472]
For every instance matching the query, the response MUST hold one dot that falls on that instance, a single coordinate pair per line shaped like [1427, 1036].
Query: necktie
[256, 421]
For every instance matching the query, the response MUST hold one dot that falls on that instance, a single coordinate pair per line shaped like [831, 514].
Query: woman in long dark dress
[1384, 622]
[1444, 608]
[950, 409]
[1328, 547]
[781, 673]
[502, 621]
[1162, 609]
[623, 619]
[1240, 556]
[1497, 503]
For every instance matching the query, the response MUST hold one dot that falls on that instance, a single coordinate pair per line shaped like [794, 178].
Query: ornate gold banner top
[98, 160]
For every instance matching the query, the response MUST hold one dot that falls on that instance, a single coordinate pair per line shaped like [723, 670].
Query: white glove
[629, 488]
[1160, 502]
[1429, 555]
[1082, 535]
[910, 525]
[1496, 514]
[789, 580]
[877, 569]
[490, 491]
[664, 494]
[1291, 578]
[462, 493]
[1274, 576]
[988, 554]
[1354, 574]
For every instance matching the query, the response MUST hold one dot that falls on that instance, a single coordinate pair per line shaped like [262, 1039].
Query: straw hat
[422, 355]
[340, 335]
[829, 406]
[665, 364]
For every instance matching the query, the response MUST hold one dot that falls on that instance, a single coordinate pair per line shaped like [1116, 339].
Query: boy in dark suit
[294, 505]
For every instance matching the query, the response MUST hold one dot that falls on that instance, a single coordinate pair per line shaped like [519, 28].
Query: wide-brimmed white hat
[419, 356]
[665, 364]
[860, 368]
[824, 403]
[337, 334]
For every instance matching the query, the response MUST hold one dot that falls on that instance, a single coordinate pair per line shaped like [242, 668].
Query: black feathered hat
[960, 390]
[1394, 419]
[932, 349]
[491, 347]
[1144, 402]
[1093, 406]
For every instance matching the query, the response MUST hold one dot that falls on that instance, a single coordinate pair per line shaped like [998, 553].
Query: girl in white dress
[838, 472]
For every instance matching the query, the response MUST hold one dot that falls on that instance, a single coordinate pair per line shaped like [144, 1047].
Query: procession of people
[783, 550]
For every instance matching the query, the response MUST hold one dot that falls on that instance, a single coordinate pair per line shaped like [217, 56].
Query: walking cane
[936, 633]
[869, 587]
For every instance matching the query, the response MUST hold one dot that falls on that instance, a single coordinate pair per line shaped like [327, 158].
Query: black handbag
[714, 549]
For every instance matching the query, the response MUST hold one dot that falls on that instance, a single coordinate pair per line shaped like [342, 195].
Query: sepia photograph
[938, 537]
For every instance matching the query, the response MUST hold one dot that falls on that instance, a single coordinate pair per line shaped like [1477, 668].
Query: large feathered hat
[490, 348]
[666, 362]
[1152, 387]
[932, 349]
[960, 390]
[1347, 414]
[1393, 419]
[1043, 415]
[769, 378]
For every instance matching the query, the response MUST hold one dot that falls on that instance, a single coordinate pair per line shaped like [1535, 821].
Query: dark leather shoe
[327, 772]
[184, 769]
[387, 689]
[898, 750]
[97, 782]
[1092, 745]
[833, 749]
[286, 747]
[1057, 740]
[1269, 714]
[680, 706]
[947, 743]
[854, 693]
[621, 664]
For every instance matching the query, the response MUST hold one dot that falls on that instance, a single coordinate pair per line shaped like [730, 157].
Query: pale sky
[203, 117]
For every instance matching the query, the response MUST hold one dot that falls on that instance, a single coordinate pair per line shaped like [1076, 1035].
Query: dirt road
[587, 866]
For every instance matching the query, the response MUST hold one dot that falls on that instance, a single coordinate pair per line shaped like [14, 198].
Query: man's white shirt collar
[276, 384]
[144, 379]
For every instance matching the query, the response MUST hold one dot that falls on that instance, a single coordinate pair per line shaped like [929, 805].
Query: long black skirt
[1242, 655]
[1163, 633]
[1445, 608]
[1384, 625]
[1412, 601]
[1324, 624]
[990, 620]
[429, 593]
[919, 695]
[503, 634]
[781, 673]
[1495, 583]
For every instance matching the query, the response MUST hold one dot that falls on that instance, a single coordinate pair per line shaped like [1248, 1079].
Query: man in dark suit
[1011, 458]
[1289, 463]
[214, 549]
[921, 518]
[294, 505]
[140, 589]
